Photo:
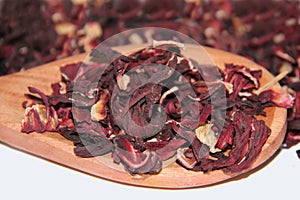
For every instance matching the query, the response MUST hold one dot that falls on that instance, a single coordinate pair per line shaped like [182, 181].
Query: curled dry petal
[226, 138]
[169, 149]
[291, 138]
[184, 161]
[134, 161]
[282, 100]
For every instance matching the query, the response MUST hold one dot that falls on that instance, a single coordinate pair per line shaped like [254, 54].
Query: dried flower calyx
[154, 105]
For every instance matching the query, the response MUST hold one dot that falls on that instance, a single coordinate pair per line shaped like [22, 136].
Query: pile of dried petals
[36, 32]
[206, 122]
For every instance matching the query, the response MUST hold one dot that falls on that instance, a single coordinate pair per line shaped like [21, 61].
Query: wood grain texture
[55, 148]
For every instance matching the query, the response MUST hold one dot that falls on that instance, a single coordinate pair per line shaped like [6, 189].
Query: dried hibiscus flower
[154, 105]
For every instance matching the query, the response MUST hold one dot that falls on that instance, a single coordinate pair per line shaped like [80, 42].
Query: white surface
[23, 176]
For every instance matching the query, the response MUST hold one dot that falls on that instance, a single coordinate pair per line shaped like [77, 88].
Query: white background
[23, 176]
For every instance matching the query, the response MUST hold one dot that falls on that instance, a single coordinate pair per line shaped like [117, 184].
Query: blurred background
[267, 31]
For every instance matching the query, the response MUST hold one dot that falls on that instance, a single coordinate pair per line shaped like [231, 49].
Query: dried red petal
[170, 149]
[93, 146]
[291, 138]
[226, 138]
[282, 100]
[134, 161]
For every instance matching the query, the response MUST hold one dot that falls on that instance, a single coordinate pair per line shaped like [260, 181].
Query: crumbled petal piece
[207, 136]
[99, 109]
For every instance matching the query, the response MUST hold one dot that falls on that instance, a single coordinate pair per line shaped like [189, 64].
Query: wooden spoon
[55, 148]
